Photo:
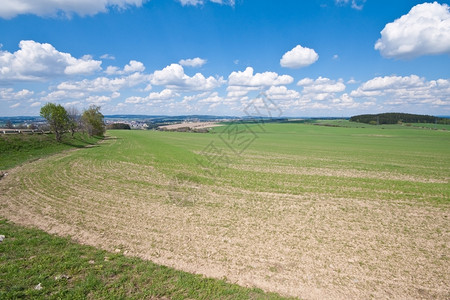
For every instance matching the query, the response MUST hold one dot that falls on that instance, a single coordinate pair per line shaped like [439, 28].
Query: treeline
[118, 126]
[62, 120]
[397, 118]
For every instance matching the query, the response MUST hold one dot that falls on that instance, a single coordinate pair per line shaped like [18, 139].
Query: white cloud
[63, 95]
[104, 84]
[11, 8]
[345, 101]
[356, 4]
[201, 2]
[9, 94]
[99, 90]
[213, 100]
[15, 105]
[134, 66]
[405, 90]
[107, 56]
[36, 61]
[131, 67]
[111, 70]
[266, 79]
[240, 83]
[321, 88]
[193, 62]
[187, 99]
[299, 57]
[282, 93]
[321, 84]
[165, 94]
[71, 104]
[235, 92]
[34, 104]
[173, 77]
[98, 99]
[305, 81]
[425, 30]
[85, 65]
[392, 82]
[317, 105]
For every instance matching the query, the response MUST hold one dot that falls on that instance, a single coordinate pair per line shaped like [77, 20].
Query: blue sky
[309, 58]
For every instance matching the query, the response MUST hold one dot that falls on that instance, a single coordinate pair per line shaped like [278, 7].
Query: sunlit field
[298, 209]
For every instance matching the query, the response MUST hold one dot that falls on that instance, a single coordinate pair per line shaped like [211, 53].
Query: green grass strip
[34, 264]
[16, 149]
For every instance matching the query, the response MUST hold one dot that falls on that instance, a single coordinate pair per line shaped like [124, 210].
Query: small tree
[93, 121]
[74, 119]
[9, 124]
[57, 118]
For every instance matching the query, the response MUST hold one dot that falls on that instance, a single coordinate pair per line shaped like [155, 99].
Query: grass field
[303, 210]
[19, 148]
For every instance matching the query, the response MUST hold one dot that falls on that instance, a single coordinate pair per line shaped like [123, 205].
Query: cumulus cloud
[98, 99]
[212, 100]
[9, 94]
[405, 90]
[99, 90]
[299, 57]
[173, 77]
[193, 62]
[392, 82]
[425, 30]
[236, 92]
[131, 67]
[345, 101]
[190, 98]
[282, 93]
[63, 95]
[12, 8]
[240, 83]
[322, 88]
[134, 66]
[36, 61]
[247, 78]
[165, 94]
[104, 84]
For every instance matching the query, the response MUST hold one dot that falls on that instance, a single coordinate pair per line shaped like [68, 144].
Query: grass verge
[39, 265]
[16, 149]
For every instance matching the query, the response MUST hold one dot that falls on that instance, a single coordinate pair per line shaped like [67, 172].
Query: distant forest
[396, 118]
[118, 126]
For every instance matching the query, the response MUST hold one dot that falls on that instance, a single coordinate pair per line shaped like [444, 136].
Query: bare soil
[312, 246]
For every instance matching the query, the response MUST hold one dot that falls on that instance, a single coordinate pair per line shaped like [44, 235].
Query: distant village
[133, 124]
[165, 123]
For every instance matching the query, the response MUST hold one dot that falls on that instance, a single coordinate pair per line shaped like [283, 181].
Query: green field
[19, 148]
[303, 210]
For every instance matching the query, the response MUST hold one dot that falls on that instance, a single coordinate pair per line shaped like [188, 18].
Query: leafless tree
[74, 119]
